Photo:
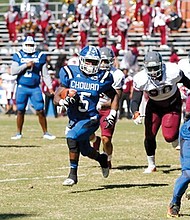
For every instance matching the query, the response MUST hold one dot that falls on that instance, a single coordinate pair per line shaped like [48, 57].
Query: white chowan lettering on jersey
[84, 85]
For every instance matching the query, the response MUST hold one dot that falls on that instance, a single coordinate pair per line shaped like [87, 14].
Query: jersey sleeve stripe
[104, 76]
[68, 71]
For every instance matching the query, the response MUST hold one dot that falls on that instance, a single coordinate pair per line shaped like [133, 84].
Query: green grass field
[32, 171]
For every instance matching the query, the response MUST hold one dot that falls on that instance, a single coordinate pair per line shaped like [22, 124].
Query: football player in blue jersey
[89, 82]
[29, 65]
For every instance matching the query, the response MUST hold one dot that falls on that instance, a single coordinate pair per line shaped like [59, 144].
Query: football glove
[137, 118]
[68, 101]
[111, 118]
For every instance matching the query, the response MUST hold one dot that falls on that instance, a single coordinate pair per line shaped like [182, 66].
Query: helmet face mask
[107, 58]
[153, 64]
[29, 45]
[89, 60]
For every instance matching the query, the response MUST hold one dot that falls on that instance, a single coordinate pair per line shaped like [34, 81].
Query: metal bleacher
[179, 39]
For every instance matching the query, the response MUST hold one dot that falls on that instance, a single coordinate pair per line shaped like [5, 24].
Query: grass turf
[32, 171]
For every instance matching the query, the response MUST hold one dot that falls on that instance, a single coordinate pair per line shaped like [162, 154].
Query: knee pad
[72, 145]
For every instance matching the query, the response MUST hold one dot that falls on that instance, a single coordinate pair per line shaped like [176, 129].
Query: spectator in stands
[50, 96]
[45, 16]
[115, 14]
[69, 7]
[83, 10]
[174, 58]
[84, 27]
[146, 16]
[137, 13]
[12, 18]
[160, 24]
[102, 25]
[123, 24]
[63, 28]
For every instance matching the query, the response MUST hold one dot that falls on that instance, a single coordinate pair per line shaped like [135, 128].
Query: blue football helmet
[153, 64]
[107, 58]
[29, 45]
[89, 60]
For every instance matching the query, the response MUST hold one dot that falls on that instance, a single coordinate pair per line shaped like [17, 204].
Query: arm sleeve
[16, 69]
[136, 100]
[46, 76]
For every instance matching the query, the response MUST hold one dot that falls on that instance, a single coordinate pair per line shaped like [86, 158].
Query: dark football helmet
[153, 64]
[107, 58]
[89, 60]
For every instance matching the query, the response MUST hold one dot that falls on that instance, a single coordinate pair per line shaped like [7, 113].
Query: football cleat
[173, 211]
[175, 144]
[16, 137]
[104, 165]
[49, 136]
[69, 182]
[150, 169]
[96, 144]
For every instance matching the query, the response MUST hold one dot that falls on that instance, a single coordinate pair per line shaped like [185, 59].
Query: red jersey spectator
[138, 5]
[102, 24]
[84, 27]
[115, 14]
[45, 16]
[146, 13]
[12, 18]
[160, 21]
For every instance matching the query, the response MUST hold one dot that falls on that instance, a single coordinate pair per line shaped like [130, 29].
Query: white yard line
[14, 164]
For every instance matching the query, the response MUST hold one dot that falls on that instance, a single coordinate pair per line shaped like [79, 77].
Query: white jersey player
[104, 104]
[159, 81]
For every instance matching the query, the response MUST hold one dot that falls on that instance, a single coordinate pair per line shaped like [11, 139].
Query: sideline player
[159, 81]
[27, 65]
[89, 82]
[104, 104]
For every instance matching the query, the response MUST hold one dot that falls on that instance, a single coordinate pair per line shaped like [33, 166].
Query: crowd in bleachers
[111, 20]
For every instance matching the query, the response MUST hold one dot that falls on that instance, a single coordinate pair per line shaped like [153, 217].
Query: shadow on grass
[13, 216]
[129, 167]
[19, 146]
[122, 186]
[164, 168]
[183, 215]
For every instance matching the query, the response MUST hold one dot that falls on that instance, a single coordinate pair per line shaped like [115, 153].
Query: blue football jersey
[30, 78]
[88, 88]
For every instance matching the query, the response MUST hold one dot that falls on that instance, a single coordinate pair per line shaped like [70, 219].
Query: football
[68, 92]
